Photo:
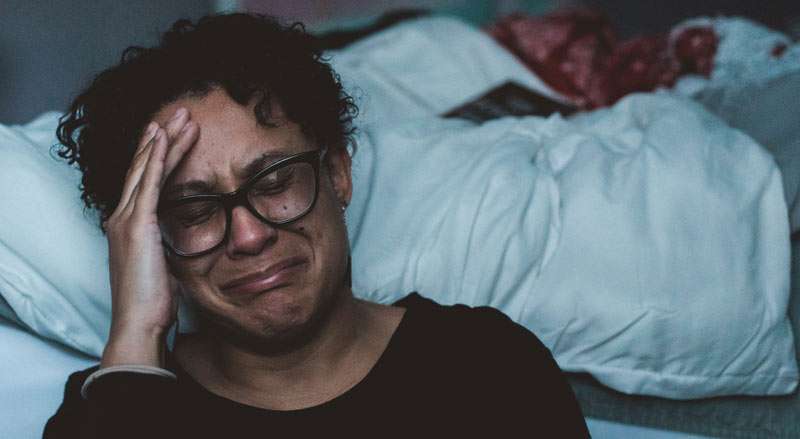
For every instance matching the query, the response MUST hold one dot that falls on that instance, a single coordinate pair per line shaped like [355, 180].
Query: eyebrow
[193, 187]
[260, 163]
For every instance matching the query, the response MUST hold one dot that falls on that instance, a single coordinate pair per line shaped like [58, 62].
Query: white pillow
[757, 92]
[645, 244]
[426, 67]
[675, 256]
[53, 257]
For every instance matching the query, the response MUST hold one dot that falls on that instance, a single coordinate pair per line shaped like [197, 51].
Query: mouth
[275, 276]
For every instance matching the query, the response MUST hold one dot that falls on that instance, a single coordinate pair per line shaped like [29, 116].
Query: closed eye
[194, 214]
[274, 182]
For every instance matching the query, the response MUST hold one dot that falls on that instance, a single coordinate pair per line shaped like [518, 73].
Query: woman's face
[268, 285]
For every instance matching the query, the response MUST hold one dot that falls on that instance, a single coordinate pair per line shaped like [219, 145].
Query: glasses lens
[285, 193]
[193, 226]
[196, 225]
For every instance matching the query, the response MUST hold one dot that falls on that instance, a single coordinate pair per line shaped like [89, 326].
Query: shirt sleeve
[118, 405]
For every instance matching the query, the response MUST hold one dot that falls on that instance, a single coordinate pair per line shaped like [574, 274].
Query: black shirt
[447, 371]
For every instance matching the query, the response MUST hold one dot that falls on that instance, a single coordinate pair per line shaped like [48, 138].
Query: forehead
[230, 138]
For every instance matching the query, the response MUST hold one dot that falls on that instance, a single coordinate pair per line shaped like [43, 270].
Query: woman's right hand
[143, 297]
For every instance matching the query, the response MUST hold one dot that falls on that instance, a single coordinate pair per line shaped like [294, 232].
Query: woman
[219, 162]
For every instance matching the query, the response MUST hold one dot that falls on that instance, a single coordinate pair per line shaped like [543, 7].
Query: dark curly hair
[251, 57]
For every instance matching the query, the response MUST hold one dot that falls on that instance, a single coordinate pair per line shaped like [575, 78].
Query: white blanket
[646, 244]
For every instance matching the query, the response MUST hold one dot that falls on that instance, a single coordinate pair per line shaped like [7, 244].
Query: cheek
[192, 273]
[324, 234]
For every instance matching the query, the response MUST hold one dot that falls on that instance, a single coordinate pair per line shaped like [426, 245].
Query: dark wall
[634, 17]
[50, 49]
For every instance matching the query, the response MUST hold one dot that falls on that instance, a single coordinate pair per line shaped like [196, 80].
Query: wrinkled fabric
[754, 87]
[645, 244]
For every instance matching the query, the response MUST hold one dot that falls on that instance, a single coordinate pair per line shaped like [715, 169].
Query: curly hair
[254, 58]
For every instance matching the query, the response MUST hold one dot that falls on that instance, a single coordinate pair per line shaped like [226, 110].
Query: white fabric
[645, 244]
[756, 92]
[53, 257]
[33, 372]
[426, 67]
[458, 213]
[7, 313]
[674, 252]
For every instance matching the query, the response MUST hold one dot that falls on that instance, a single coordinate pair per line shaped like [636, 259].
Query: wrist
[135, 346]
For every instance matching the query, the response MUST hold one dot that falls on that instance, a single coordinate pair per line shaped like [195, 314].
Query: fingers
[177, 122]
[181, 133]
[159, 152]
[144, 142]
[137, 176]
[166, 152]
[187, 137]
[137, 164]
[146, 196]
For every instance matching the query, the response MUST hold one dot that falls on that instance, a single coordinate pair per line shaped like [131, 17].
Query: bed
[458, 65]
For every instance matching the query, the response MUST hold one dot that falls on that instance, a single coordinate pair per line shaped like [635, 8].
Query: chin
[274, 324]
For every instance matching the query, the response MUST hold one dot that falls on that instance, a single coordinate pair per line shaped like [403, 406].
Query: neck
[331, 340]
[328, 363]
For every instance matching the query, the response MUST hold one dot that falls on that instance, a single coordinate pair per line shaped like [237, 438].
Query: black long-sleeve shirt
[447, 371]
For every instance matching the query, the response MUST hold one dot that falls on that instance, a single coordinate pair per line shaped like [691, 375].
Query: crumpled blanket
[644, 244]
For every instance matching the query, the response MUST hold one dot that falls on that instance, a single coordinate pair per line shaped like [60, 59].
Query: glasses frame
[239, 198]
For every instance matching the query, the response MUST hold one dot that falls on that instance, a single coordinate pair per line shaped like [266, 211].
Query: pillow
[426, 67]
[645, 244]
[755, 87]
[53, 257]
[676, 239]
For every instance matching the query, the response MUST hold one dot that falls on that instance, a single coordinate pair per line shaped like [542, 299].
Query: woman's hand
[143, 296]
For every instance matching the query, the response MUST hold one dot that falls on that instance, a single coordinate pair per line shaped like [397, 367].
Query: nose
[248, 234]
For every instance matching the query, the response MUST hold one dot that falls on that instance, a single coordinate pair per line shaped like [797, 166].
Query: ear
[339, 163]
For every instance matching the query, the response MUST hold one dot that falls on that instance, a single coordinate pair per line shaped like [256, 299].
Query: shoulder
[493, 368]
[467, 330]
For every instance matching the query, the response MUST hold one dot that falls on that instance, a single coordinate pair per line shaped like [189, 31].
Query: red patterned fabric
[577, 53]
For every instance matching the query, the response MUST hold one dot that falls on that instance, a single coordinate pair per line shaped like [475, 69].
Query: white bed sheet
[33, 372]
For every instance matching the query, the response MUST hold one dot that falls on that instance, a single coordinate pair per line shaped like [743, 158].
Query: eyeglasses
[283, 192]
